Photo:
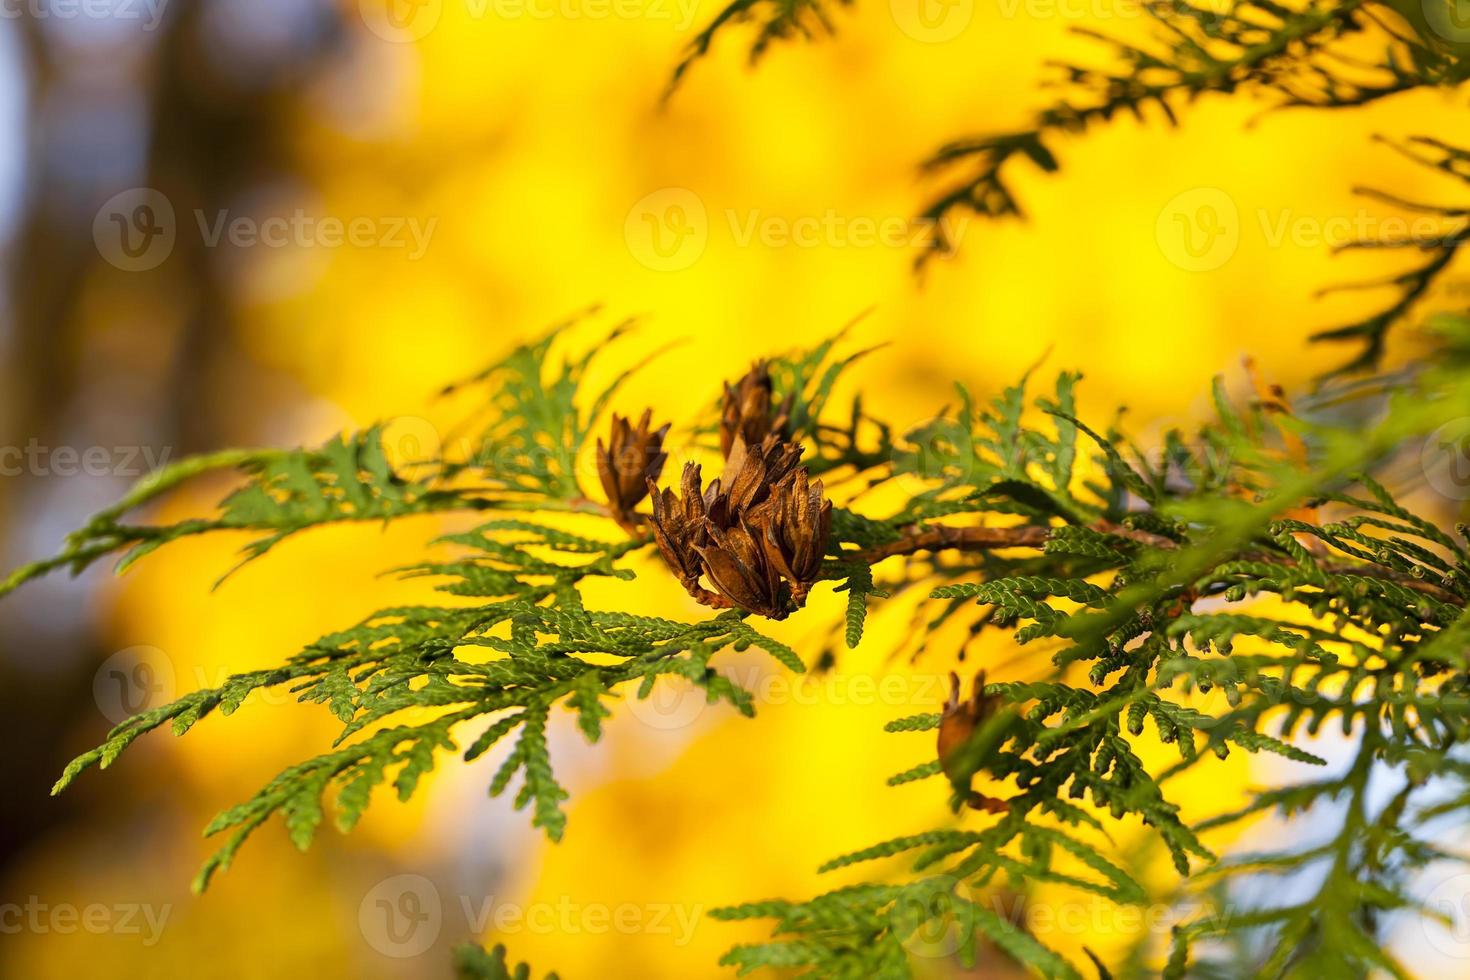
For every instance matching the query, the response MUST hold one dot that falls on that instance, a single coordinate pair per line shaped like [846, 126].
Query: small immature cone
[749, 411]
[629, 463]
[958, 723]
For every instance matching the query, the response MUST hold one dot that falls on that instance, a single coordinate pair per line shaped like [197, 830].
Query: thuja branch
[948, 537]
[1320, 54]
[1111, 552]
[952, 538]
[1186, 68]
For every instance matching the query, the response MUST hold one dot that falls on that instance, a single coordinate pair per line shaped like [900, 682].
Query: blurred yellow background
[527, 144]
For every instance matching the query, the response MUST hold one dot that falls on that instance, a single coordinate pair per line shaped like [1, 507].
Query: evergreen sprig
[1315, 54]
[1371, 624]
[1247, 583]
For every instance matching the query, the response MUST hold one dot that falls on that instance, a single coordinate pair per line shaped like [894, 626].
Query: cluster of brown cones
[757, 534]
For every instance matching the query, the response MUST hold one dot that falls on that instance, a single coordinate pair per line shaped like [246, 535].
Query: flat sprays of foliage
[1138, 575]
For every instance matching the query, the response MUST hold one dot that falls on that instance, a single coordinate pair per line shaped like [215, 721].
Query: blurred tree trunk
[97, 356]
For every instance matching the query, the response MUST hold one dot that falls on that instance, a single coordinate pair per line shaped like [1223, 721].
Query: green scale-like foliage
[1150, 583]
[1249, 584]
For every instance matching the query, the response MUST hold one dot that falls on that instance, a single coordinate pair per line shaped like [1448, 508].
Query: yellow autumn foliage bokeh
[536, 152]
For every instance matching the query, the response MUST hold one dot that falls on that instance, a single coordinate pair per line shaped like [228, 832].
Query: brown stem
[937, 537]
[1392, 575]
